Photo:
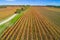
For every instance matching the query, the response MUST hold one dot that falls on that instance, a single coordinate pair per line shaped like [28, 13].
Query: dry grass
[5, 12]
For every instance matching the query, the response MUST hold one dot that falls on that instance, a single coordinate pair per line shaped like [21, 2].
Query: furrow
[26, 22]
[21, 30]
[17, 30]
[52, 30]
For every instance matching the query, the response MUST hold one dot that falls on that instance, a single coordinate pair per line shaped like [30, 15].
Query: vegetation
[53, 6]
[3, 6]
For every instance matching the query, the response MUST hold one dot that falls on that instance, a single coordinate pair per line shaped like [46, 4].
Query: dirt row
[32, 26]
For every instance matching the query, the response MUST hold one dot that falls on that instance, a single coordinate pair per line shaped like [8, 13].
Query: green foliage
[18, 10]
[2, 6]
[53, 6]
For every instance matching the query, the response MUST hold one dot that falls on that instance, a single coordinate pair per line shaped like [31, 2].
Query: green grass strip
[10, 23]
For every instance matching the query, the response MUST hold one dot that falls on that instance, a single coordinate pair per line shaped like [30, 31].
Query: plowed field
[32, 26]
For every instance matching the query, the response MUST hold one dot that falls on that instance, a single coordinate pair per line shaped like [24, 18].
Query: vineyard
[32, 25]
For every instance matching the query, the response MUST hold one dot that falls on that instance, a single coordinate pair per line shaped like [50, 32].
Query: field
[5, 12]
[53, 14]
[37, 23]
